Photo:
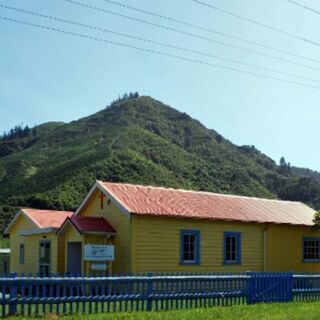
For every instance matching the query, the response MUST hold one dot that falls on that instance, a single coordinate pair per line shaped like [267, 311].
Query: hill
[306, 173]
[139, 140]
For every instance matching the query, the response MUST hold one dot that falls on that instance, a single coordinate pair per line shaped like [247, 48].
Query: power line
[33, 13]
[258, 23]
[203, 28]
[189, 34]
[161, 53]
[304, 7]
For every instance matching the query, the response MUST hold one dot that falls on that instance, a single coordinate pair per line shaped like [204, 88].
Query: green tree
[284, 167]
[316, 219]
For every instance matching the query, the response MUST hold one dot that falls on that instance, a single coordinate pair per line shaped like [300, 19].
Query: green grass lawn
[275, 311]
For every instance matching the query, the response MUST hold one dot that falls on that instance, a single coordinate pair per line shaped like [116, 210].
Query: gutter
[37, 231]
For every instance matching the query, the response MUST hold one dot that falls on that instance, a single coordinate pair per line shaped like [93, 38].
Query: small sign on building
[97, 252]
[99, 267]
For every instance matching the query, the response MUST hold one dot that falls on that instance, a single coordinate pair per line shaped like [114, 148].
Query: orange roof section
[165, 202]
[47, 218]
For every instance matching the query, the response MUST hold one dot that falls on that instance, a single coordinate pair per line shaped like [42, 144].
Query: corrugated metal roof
[47, 218]
[159, 201]
[92, 224]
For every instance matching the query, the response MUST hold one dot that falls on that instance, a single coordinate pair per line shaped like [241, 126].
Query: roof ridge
[85, 217]
[52, 210]
[198, 191]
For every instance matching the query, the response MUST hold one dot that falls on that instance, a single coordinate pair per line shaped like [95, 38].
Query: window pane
[191, 257]
[311, 249]
[189, 247]
[21, 254]
[45, 252]
[231, 248]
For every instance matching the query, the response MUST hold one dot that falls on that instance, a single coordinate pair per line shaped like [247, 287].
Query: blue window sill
[311, 261]
[189, 263]
[231, 263]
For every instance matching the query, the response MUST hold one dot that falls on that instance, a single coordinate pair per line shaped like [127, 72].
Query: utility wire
[85, 5]
[33, 13]
[302, 6]
[156, 52]
[203, 28]
[258, 23]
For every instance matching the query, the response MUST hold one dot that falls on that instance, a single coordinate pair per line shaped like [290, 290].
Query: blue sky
[48, 76]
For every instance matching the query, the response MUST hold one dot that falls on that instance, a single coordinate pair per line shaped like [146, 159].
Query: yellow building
[122, 228]
[33, 241]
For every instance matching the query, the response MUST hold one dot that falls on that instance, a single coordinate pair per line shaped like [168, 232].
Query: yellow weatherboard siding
[120, 222]
[61, 254]
[157, 245]
[31, 244]
[284, 247]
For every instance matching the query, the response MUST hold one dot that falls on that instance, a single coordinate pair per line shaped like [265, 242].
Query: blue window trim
[309, 239]
[196, 233]
[238, 243]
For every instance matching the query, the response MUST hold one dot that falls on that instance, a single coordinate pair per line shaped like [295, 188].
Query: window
[21, 253]
[190, 247]
[311, 249]
[44, 257]
[232, 248]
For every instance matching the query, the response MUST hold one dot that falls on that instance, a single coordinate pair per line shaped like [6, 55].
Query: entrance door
[44, 257]
[74, 260]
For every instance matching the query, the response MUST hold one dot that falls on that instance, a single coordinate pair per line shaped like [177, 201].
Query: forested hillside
[140, 140]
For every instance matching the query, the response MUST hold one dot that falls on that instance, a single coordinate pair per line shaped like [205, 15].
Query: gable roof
[42, 219]
[166, 202]
[85, 225]
[92, 224]
[47, 218]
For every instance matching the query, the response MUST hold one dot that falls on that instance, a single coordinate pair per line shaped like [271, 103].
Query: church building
[127, 228]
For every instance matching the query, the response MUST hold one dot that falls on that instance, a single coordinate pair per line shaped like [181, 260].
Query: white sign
[96, 252]
[99, 267]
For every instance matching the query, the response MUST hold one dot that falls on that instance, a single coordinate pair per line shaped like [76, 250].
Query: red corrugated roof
[158, 201]
[47, 218]
[92, 224]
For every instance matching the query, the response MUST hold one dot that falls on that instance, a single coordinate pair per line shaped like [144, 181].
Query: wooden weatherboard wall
[285, 248]
[156, 245]
[31, 248]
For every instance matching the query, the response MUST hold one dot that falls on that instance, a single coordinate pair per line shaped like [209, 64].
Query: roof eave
[13, 221]
[37, 231]
[220, 219]
[98, 233]
[66, 221]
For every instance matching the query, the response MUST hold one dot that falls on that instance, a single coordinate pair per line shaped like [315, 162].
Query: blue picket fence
[68, 295]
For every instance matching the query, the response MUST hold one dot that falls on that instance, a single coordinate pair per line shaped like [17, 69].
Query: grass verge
[275, 311]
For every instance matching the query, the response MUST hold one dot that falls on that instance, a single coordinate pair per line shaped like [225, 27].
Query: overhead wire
[134, 37]
[258, 23]
[305, 7]
[193, 35]
[207, 29]
[151, 51]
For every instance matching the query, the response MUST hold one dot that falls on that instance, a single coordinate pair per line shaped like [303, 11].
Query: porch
[86, 246]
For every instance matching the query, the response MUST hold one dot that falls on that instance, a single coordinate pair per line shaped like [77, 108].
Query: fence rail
[73, 294]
